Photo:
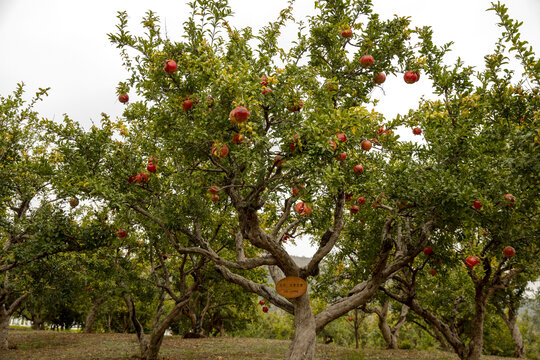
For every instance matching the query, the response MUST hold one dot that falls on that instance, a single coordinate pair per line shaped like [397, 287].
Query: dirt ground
[34, 345]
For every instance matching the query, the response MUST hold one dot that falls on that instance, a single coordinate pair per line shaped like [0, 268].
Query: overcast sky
[63, 44]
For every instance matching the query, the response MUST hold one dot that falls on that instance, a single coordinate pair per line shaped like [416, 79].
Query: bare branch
[256, 288]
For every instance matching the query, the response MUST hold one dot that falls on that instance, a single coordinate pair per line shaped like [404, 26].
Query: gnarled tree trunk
[149, 346]
[91, 317]
[476, 344]
[37, 322]
[4, 327]
[510, 320]
[390, 334]
[5, 315]
[304, 342]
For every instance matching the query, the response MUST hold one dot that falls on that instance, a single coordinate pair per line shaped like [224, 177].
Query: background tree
[484, 158]
[507, 304]
[389, 333]
[34, 221]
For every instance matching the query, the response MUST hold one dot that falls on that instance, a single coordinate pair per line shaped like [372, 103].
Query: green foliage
[272, 325]
[529, 325]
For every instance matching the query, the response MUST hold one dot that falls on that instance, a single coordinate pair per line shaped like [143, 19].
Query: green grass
[34, 345]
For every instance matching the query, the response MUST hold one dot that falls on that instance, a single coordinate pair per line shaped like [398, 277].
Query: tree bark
[150, 346]
[390, 334]
[437, 335]
[304, 342]
[5, 315]
[384, 327]
[477, 332]
[37, 322]
[395, 329]
[222, 331]
[4, 327]
[91, 317]
[510, 320]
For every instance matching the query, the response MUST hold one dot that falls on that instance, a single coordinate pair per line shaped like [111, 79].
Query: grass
[34, 345]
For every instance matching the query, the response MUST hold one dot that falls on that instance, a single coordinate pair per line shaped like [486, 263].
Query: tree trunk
[477, 332]
[37, 322]
[109, 320]
[440, 338]
[385, 328]
[91, 317]
[5, 315]
[395, 329]
[4, 327]
[510, 320]
[150, 346]
[222, 331]
[304, 342]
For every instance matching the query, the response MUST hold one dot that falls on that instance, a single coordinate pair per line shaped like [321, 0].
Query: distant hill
[300, 260]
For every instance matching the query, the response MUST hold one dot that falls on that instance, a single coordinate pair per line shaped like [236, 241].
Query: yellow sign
[291, 287]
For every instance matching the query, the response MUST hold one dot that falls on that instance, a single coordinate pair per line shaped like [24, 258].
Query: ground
[33, 345]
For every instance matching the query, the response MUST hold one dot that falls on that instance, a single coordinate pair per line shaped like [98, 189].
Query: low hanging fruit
[342, 137]
[151, 168]
[141, 178]
[220, 151]
[379, 78]
[411, 77]
[342, 156]
[428, 251]
[333, 145]
[477, 204]
[294, 106]
[358, 169]
[265, 309]
[74, 202]
[238, 138]
[170, 66]
[347, 33]
[332, 86]
[294, 142]
[354, 209]
[262, 302]
[239, 115]
[509, 252]
[432, 272]
[361, 200]
[509, 197]
[472, 261]
[366, 60]
[302, 209]
[121, 233]
[187, 104]
[123, 98]
[296, 190]
[366, 145]
[416, 131]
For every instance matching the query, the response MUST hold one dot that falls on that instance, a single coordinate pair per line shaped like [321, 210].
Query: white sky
[63, 44]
